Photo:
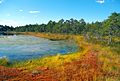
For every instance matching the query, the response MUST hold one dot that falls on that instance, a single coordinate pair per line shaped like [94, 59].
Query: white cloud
[32, 12]
[21, 10]
[100, 1]
[1, 1]
[9, 22]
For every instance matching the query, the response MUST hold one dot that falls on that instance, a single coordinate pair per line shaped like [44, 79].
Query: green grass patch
[4, 62]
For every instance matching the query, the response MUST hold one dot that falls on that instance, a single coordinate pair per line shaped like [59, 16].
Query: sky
[22, 12]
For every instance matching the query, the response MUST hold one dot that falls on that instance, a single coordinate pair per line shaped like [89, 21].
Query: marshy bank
[94, 63]
[25, 46]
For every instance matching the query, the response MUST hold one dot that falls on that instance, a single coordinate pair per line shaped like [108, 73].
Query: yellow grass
[110, 61]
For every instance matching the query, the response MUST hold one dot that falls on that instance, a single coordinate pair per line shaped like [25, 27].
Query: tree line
[110, 27]
[6, 28]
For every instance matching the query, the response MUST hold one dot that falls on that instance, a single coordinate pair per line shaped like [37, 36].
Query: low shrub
[4, 61]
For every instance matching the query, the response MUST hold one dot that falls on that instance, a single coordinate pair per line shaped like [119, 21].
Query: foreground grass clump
[51, 61]
[4, 61]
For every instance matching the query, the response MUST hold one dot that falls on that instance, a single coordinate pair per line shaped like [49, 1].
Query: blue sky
[21, 12]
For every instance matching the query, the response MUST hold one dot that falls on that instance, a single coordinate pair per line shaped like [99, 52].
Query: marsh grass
[4, 62]
[107, 55]
[55, 61]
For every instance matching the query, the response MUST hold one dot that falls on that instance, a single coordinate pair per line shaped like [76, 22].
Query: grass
[4, 62]
[95, 62]
[109, 56]
[51, 61]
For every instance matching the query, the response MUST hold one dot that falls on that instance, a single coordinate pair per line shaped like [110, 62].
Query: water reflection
[22, 47]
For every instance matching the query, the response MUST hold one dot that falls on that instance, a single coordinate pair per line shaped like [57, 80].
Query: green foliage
[5, 28]
[71, 26]
[98, 30]
[4, 61]
[109, 27]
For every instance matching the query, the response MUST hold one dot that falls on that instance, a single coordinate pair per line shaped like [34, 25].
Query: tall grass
[107, 55]
[4, 61]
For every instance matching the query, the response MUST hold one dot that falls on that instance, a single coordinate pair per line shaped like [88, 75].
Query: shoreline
[53, 36]
[45, 35]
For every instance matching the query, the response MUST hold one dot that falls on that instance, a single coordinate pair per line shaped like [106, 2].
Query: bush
[4, 61]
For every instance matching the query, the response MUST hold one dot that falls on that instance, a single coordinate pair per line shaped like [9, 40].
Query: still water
[24, 47]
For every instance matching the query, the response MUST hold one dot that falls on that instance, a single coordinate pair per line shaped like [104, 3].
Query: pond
[24, 47]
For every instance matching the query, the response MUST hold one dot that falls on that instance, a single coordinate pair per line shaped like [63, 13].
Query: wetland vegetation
[98, 57]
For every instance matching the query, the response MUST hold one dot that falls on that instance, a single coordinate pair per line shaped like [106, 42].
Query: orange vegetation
[86, 69]
[89, 67]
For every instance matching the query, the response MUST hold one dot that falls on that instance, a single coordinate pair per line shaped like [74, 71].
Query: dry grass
[93, 63]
